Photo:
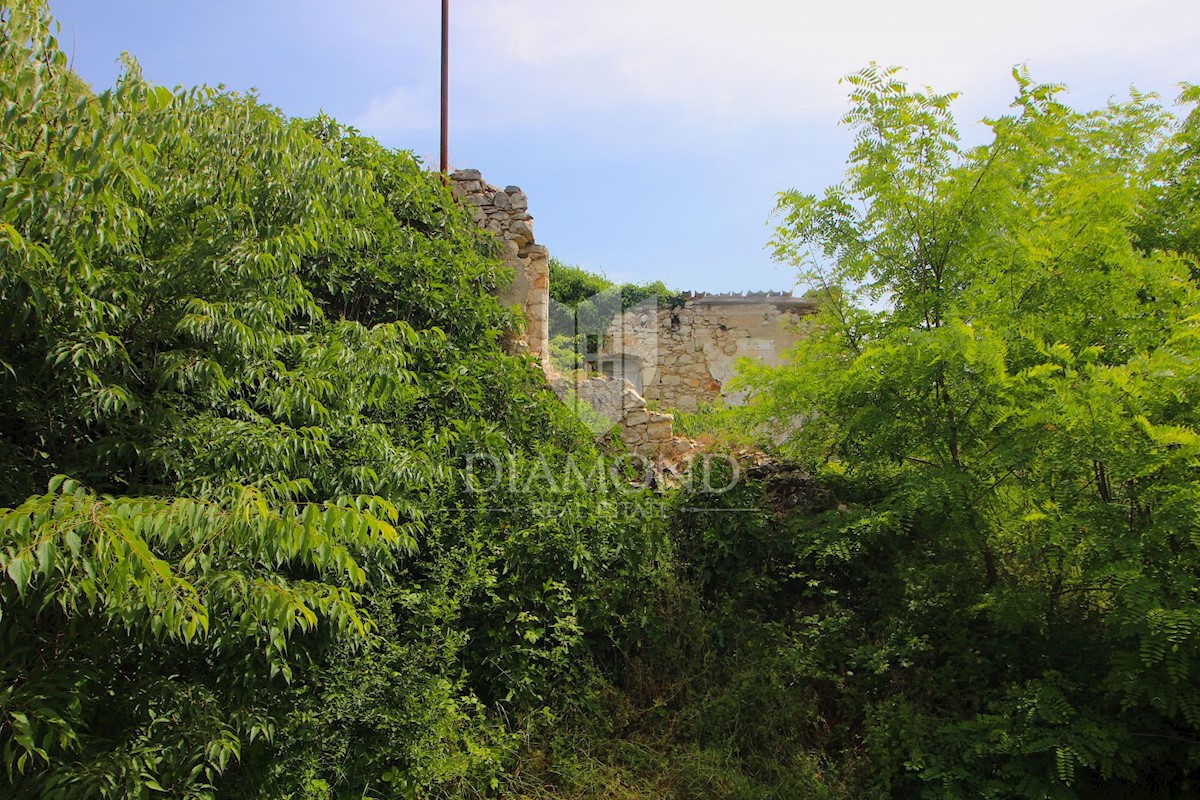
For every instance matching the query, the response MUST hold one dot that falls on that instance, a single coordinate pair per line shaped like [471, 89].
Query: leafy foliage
[248, 365]
[263, 350]
[1169, 220]
[1003, 376]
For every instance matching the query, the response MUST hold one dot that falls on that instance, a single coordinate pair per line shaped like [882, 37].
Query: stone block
[660, 430]
[522, 229]
[636, 418]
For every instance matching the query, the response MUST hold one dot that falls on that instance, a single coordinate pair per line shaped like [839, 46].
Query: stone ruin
[680, 356]
[684, 355]
[644, 430]
[505, 212]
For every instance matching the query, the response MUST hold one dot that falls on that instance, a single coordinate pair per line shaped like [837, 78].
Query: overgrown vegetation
[1007, 606]
[248, 365]
[988, 587]
[263, 350]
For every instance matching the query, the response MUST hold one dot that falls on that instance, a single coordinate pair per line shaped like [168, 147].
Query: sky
[650, 135]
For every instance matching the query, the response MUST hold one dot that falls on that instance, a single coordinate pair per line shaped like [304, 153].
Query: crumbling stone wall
[687, 353]
[505, 212]
[684, 355]
[681, 357]
[644, 431]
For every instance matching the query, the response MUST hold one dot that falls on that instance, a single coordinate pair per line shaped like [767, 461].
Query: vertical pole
[445, 160]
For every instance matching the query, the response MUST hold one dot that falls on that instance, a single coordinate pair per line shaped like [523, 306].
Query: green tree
[1170, 220]
[1005, 380]
[263, 350]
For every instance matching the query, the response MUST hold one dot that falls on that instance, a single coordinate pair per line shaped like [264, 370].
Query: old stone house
[680, 354]
[683, 355]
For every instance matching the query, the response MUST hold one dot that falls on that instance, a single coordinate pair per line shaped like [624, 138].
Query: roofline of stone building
[781, 300]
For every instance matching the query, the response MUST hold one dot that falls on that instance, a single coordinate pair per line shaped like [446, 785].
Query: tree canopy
[1004, 371]
[261, 348]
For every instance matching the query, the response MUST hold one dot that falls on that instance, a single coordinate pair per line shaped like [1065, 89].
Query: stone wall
[505, 212]
[614, 402]
[678, 357]
[685, 355]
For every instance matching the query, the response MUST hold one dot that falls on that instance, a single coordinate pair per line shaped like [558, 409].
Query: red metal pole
[445, 162]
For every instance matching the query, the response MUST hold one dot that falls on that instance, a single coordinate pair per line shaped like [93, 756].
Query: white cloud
[676, 73]
[762, 59]
[402, 110]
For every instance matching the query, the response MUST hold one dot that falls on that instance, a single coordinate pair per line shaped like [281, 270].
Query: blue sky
[651, 135]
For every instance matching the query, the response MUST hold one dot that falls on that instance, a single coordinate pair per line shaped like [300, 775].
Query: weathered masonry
[683, 356]
[680, 356]
[505, 212]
